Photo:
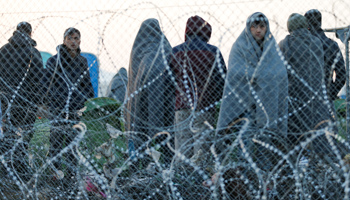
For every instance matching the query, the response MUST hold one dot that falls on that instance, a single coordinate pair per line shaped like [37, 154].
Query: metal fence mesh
[174, 100]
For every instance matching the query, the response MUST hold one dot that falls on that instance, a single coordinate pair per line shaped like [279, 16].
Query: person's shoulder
[82, 61]
[36, 51]
[212, 47]
[331, 43]
[283, 43]
[324, 38]
[286, 38]
[52, 59]
[315, 39]
[82, 58]
[178, 48]
[6, 46]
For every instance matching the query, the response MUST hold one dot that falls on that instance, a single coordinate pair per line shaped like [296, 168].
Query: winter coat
[304, 54]
[118, 85]
[333, 59]
[67, 82]
[332, 52]
[256, 85]
[149, 105]
[21, 68]
[199, 68]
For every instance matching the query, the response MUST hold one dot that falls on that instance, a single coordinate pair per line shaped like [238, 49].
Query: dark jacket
[333, 59]
[332, 52]
[65, 74]
[21, 68]
[198, 67]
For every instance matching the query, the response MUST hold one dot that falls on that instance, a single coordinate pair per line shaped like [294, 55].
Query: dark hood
[197, 27]
[20, 39]
[314, 19]
[295, 22]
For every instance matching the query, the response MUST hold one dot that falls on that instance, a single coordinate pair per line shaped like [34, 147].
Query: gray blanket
[256, 85]
[150, 106]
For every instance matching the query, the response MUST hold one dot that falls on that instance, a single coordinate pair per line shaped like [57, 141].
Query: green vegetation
[340, 108]
[99, 111]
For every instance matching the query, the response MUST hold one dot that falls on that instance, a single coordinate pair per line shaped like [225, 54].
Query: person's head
[25, 27]
[197, 27]
[150, 29]
[71, 39]
[257, 24]
[314, 19]
[258, 30]
[295, 22]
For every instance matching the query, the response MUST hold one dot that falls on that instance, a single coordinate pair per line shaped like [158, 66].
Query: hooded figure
[256, 85]
[307, 99]
[149, 103]
[333, 58]
[118, 85]
[199, 69]
[21, 67]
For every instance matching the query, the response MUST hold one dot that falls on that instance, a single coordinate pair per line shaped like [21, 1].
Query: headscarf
[256, 84]
[147, 107]
[118, 85]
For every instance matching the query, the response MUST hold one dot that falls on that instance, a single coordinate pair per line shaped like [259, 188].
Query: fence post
[347, 85]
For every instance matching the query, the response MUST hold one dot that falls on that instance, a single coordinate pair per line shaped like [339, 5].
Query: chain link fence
[240, 99]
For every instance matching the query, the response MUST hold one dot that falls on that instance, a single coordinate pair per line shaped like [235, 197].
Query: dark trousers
[60, 137]
[18, 124]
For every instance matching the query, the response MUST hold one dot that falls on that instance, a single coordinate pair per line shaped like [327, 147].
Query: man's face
[258, 30]
[72, 41]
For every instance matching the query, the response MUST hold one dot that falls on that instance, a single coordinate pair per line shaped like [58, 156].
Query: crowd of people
[287, 88]
[188, 90]
[63, 86]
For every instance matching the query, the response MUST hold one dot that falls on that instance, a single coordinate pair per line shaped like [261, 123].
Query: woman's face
[258, 30]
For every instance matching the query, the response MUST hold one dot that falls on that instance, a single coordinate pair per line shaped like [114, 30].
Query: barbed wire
[117, 161]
